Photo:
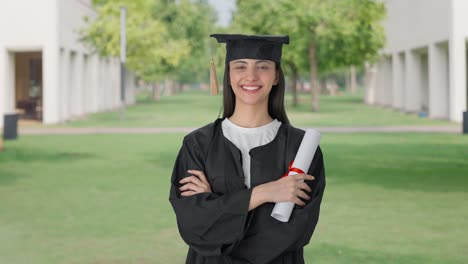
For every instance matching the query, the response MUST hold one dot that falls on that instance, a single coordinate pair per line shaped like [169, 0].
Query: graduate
[228, 174]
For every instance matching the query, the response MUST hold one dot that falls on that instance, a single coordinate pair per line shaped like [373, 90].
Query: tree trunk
[156, 91]
[353, 80]
[178, 87]
[315, 91]
[348, 81]
[293, 84]
[168, 87]
[370, 83]
[323, 87]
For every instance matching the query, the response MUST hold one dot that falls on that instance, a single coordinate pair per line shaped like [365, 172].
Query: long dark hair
[275, 98]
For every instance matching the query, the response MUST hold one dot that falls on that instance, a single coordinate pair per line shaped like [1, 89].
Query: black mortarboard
[252, 46]
[248, 47]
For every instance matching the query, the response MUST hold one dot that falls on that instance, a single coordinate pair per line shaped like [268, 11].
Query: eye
[239, 67]
[264, 67]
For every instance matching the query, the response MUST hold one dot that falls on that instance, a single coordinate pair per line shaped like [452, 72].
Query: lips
[251, 87]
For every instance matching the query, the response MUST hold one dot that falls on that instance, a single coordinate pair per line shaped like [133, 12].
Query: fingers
[304, 186]
[197, 183]
[188, 193]
[199, 174]
[191, 183]
[191, 179]
[298, 189]
[299, 202]
[305, 177]
[192, 187]
[303, 195]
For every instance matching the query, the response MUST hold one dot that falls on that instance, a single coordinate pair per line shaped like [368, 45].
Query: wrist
[258, 197]
[261, 193]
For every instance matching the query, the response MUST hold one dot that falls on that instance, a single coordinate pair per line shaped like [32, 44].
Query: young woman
[228, 174]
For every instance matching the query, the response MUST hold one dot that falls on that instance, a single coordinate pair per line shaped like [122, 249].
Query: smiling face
[252, 80]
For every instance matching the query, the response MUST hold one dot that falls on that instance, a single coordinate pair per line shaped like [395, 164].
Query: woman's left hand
[197, 183]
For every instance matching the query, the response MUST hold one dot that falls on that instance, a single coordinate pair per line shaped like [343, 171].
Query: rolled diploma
[282, 211]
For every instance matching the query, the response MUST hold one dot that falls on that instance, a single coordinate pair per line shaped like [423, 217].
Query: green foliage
[345, 32]
[192, 22]
[164, 37]
[352, 36]
[255, 17]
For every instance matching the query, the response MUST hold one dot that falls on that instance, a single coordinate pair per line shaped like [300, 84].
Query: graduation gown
[217, 226]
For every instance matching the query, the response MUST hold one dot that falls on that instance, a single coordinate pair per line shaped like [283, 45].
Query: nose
[251, 74]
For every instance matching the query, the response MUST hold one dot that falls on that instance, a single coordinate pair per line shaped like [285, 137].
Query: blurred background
[90, 135]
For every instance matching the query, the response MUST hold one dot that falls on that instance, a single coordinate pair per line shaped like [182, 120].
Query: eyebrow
[260, 61]
[257, 62]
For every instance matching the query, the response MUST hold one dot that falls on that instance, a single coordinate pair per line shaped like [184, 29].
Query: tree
[167, 39]
[333, 33]
[191, 21]
[342, 33]
[152, 51]
[261, 22]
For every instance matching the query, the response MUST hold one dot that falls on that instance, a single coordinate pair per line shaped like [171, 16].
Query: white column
[3, 82]
[117, 83]
[424, 81]
[10, 104]
[114, 84]
[102, 86]
[94, 82]
[457, 78]
[7, 83]
[388, 82]
[85, 85]
[438, 82]
[111, 83]
[51, 84]
[51, 63]
[72, 85]
[78, 85]
[64, 84]
[380, 82]
[413, 88]
[398, 81]
[457, 61]
[371, 82]
[105, 83]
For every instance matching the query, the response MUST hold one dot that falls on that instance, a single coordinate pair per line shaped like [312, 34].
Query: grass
[390, 198]
[194, 108]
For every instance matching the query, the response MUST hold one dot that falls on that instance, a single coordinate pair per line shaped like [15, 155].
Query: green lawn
[390, 198]
[195, 108]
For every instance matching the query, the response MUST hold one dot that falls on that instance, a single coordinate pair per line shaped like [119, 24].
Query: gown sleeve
[272, 238]
[209, 223]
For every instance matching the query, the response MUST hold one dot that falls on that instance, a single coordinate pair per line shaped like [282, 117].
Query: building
[46, 73]
[423, 68]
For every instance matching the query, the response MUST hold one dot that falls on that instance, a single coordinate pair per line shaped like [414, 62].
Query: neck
[251, 116]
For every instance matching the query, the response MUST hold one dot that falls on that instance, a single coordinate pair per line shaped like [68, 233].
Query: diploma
[282, 211]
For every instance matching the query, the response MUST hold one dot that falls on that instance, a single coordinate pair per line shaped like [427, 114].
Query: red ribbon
[290, 169]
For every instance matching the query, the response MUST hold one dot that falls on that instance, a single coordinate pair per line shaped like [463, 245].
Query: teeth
[251, 88]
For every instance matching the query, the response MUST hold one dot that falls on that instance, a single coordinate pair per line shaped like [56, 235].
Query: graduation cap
[248, 47]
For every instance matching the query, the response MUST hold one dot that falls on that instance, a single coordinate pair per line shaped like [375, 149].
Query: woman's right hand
[197, 183]
[291, 188]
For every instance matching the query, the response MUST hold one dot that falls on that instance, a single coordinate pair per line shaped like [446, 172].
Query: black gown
[217, 226]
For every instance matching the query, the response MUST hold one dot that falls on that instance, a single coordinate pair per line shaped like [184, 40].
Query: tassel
[213, 79]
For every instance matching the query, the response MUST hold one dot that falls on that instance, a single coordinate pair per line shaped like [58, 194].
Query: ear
[276, 81]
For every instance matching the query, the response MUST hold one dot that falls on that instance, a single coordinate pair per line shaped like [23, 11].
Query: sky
[224, 8]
